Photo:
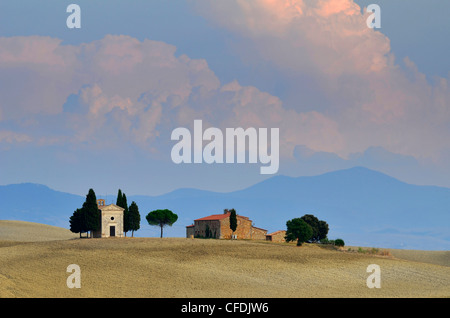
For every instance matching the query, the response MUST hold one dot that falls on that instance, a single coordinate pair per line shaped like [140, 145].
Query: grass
[32, 232]
[372, 251]
[180, 267]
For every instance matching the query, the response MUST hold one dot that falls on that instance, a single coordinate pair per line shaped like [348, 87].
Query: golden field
[34, 266]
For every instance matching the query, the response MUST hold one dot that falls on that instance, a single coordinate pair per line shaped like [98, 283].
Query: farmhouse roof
[220, 217]
[276, 232]
[214, 217]
[259, 228]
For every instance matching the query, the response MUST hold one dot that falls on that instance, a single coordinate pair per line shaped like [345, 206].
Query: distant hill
[38, 203]
[361, 206]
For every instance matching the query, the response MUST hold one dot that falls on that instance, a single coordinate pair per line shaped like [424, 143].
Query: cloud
[325, 47]
[119, 90]
[33, 51]
[116, 83]
[330, 37]
[253, 108]
[12, 137]
[36, 75]
[346, 93]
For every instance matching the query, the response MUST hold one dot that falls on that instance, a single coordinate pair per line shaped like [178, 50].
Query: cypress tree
[134, 218]
[122, 202]
[76, 222]
[119, 199]
[91, 213]
[126, 215]
[233, 220]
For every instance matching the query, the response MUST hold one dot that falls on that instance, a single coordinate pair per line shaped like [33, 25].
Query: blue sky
[417, 29]
[344, 95]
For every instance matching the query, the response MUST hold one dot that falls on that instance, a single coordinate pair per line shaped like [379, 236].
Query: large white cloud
[120, 90]
[124, 90]
[371, 99]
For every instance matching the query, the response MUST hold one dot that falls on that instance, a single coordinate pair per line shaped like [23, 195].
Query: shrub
[385, 253]
[325, 241]
[339, 242]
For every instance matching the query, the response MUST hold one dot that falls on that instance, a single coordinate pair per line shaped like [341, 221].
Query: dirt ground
[181, 267]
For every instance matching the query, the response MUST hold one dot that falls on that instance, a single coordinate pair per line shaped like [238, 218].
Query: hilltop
[181, 267]
[362, 206]
[32, 232]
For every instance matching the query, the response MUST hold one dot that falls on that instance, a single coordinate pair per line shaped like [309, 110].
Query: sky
[95, 107]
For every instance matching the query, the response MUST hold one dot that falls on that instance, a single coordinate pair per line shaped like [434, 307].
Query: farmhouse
[111, 220]
[277, 236]
[218, 226]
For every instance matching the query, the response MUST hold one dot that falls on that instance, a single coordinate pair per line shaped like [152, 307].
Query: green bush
[374, 250]
[339, 242]
[325, 241]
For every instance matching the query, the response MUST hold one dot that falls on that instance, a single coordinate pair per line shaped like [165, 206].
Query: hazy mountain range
[361, 206]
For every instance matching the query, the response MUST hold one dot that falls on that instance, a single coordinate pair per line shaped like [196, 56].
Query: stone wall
[190, 231]
[277, 236]
[258, 233]
[110, 215]
[207, 228]
[112, 218]
[218, 226]
[243, 229]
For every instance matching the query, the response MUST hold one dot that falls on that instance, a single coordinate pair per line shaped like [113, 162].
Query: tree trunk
[161, 230]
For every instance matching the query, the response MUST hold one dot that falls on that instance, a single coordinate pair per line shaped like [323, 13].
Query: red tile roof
[220, 217]
[259, 228]
[276, 232]
[214, 217]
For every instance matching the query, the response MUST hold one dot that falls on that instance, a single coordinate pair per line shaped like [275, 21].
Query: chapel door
[112, 231]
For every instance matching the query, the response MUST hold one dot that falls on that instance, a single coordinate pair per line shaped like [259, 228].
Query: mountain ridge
[363, 206]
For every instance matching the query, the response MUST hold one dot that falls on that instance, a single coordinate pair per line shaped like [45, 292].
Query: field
[180, 267]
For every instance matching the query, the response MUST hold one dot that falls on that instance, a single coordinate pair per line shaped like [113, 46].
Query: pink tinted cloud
[31, 50]
[117, 54]
[133, 90]
[36, 73]
[326, 8]
[373, 101]
[137, 89]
